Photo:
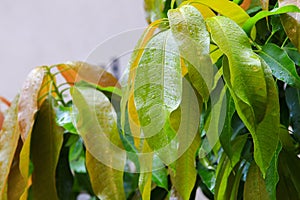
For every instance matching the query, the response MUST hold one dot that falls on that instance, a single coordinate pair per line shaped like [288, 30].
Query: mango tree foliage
[211, 102]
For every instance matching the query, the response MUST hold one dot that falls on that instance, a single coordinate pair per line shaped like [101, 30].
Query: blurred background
[35, 33]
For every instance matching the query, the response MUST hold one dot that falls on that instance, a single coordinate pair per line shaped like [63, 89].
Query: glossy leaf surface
[283, 68]
[95, 120]
[9, 137]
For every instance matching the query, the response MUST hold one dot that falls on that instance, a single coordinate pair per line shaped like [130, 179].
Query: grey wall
[38, 32]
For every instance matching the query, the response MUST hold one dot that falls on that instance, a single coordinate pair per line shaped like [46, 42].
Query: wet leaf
[28, 103]
[189, 30]
[226, 8]
[46, 142]
[96, 122]
[252, 21]
[9, 137]
[283, 68]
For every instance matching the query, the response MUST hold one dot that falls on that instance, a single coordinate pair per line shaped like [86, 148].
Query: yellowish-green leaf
[96, 122]
[189, 30]
[226, 8]
[145, 178]
[9, 137]
[46, 142]
[245, 76]
[255, 186]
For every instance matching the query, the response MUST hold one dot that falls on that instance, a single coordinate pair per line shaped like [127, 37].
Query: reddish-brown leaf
[76, 71]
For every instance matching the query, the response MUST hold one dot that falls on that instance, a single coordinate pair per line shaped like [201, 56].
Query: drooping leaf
[5, 101]
[289, 176]
[255, 186]
[74, 72]
[160, 175]
[28, 103]
[283, 68]
[226, 8]
[226, 166]
[252, 87]
[96, 122]
[133, 64]
[266, 137]
[186, 120]
[272, 176]
[227, 132]
[9, 137]
[46, 142]
[1, 119]
[244, 72]
[145, 179]
[252, 21]
[15, 183]
[205, 11]
[192, 38]
[246, 4]
[291, 22]
[157, 88]
[293, 103]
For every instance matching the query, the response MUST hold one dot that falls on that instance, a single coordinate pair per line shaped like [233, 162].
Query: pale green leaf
[189, 30]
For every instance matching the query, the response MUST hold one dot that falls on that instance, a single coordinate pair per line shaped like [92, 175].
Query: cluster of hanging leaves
[212, 103]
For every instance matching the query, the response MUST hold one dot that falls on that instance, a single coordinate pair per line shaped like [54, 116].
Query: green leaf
[64, 118]
[255, 186]
[46, 142]
[291, 22]
[289, 176]
[157, 88]
[283, 68]
[267, 131]
[245, 76]
[154, 10]
[9, 137]
[272, 176]
[262, 14]
[293, 102]
[225, 137]
[192, 38]
[96, 122]
[188, 138]
[293, 54]
[226, 166]
[160, 176]
[226, 8]
[76, 157]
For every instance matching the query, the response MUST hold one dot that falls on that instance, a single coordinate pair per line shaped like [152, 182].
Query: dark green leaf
[283, 68]
[160, 176]
[293, 101]
[46, 142]
[293, 54]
